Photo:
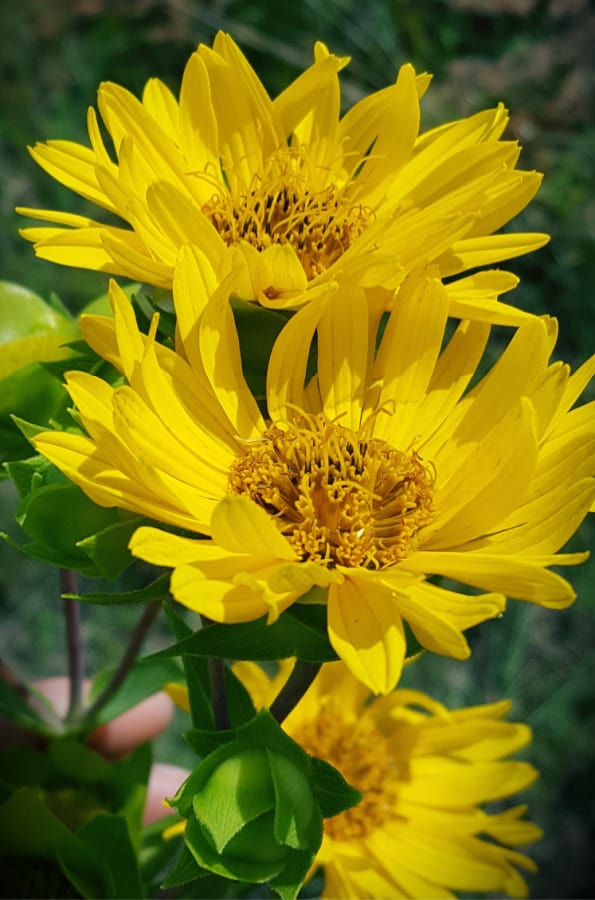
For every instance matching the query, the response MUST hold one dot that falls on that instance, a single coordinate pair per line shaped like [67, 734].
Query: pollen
[363, 757]
[338, 496]
[287, 205]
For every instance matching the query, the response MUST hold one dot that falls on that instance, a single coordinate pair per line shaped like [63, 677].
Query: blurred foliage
[536, 57]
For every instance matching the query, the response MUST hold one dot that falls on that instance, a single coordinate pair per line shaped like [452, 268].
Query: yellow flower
[286, 191]
[425, 772]
[381, 469]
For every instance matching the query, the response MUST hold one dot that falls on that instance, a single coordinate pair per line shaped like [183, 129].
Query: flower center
[339, 497]
[283, 206]
[362, 757]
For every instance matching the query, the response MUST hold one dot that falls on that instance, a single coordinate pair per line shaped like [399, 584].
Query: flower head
[285, 191]
[425, 772]
[370, 472]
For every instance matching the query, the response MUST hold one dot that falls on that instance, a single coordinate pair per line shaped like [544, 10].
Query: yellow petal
[342, 355]
[286, 371]
[220, 354]
[515, 576]
[406, 359]
[240, 526]
[491, 482]
[222, 601]
[483, 251]
[198, 121]
[366, 631]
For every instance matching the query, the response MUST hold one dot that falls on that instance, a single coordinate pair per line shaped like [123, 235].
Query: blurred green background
[535, 57]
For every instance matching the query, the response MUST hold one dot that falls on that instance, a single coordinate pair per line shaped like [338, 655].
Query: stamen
[340, 498]
[284, 205]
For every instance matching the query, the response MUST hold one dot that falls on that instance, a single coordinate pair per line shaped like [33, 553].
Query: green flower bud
[251, 811]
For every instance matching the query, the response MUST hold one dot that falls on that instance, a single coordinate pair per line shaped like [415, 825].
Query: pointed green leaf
[289, 881]
[196, 670]
[286, 637]
[204, 741]
[157, 590]
[333, 793]
[57, 517]
[185, 869]
[294, 806]
[108, 836]
[108, 548]
[239, 702]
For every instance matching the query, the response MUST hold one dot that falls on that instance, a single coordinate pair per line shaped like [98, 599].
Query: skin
[116, 739]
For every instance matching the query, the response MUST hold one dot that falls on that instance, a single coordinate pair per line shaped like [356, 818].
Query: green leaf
[264, 731]
[257, 328]
[179, 627]
[204, 741]
[108, 836]
[239, 702]
[294, 804]
[30, 330]
[286, 637]
[29, 393]
[291, 877]
[156, 855]
[333, 793]
[108, 548]
[29, 829]
[25, 767]
[146, 677]
[77, 762]
[196, 671]
[157, 590]
[13, 706]
[185, 869]
[57, 517]
[129, 782]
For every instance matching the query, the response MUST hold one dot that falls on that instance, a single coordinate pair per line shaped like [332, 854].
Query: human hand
[115, 739]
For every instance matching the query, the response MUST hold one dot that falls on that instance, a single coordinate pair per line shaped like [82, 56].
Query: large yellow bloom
[382, 469]
[424, 771]
[285, 190]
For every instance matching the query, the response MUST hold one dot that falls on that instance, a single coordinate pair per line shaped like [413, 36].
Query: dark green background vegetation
[534, 55]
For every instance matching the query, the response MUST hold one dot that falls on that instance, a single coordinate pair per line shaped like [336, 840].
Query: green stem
[218, 693]
[74, 644]
[302, 676]
[126, 663]
[218, 688]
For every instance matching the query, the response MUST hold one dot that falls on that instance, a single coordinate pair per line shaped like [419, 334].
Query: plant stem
[16, 683]
[302, 676]
[218, 688]
[218, 693]
[74, 644]
[127, 661]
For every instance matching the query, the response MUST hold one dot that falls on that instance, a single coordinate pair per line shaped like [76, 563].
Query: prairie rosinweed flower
[285, 190]
[425, 772]
[379, 470]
